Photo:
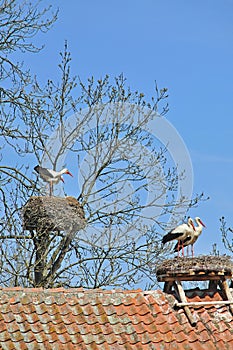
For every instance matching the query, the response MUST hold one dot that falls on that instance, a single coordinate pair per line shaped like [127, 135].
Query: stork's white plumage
[51, 176]
[180, 233]
[192, 238]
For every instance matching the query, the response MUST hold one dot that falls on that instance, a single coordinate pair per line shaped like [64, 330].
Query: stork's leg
[50, 188]
[178, 249]
[182, 248]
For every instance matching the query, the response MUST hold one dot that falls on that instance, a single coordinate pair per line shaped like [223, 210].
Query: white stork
[51, 176]
[180, 233]
[192, 238]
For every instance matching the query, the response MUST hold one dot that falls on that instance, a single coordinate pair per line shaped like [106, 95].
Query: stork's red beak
[62, 179]
[69, 173]
[193, 226]
[202, 224]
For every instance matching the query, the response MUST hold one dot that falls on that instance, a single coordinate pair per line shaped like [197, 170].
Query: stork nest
[52, 214]
[201, 265]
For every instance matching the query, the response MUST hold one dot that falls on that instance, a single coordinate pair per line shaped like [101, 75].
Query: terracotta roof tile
[113, 320]
[203, 336]
[4, 336]
[9, 345]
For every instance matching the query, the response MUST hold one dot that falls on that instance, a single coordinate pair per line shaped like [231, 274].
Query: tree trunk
[40, 261]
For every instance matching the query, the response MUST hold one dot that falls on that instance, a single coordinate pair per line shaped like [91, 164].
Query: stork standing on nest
[180, 233]
[192, 238]
[51, 176]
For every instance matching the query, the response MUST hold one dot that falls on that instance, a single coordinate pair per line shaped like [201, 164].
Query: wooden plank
[191, 272]
[168, 287]
[227, 292]
[195, 273]
[167, 278]
[181, 293]
[204, 303]
[213, 285]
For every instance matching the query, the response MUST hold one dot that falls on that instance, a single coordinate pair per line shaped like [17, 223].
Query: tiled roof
[109, 320]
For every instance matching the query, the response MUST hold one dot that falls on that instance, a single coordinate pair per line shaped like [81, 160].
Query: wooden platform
[215, 269]
[200, 268]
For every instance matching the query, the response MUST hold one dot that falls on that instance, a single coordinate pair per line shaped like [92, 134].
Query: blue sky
[187, 47]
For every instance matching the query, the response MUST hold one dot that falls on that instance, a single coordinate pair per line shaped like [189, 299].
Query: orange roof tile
[112, 320]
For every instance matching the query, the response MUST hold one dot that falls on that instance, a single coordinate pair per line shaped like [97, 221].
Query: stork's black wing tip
[36, 168]
[176, 248]
[166, 238]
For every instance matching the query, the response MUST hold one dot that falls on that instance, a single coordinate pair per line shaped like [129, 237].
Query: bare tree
[227, 237]
[126, 186]
[19, 102]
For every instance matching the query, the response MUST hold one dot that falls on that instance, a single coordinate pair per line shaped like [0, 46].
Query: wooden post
[181, 294]
[213, 285]
[224, 286]
[168, 286]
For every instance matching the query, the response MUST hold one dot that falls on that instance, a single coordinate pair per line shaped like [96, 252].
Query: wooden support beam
[199, 277]
[182, 297]
[168, 287]
[224, 286]
[203, 303]
[213, 285]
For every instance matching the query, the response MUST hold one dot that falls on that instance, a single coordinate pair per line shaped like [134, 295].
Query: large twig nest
[53, 213]
[199, 266]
